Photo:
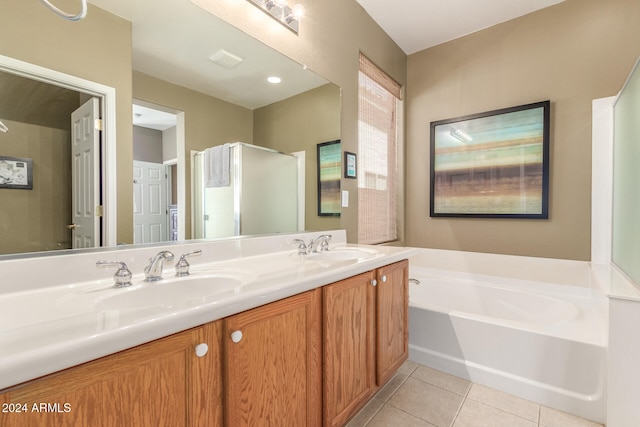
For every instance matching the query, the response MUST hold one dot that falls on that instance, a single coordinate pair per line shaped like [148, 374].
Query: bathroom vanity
[308, 340]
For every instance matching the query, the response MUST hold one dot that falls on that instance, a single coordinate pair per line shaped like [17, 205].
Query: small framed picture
[16, 173]
[350, 165]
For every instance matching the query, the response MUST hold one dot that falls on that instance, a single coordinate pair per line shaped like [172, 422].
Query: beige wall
[331, 36]
[570, 53]
[208, 121]
[300, 123]
[96, 49]
[35, 220]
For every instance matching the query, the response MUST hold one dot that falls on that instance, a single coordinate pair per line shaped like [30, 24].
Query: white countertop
[49, 322]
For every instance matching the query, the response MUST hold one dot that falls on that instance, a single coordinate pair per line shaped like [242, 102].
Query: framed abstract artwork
[329, 167]
[492, 165]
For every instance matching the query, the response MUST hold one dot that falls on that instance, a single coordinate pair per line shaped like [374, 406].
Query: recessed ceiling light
[274, 80]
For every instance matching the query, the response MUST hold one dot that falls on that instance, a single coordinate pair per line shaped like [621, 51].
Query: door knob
[73, 226]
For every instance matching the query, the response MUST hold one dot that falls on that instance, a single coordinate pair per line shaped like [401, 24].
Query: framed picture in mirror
[329, 167]
[16, 173]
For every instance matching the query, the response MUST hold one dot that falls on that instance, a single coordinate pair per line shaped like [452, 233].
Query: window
[379, 96]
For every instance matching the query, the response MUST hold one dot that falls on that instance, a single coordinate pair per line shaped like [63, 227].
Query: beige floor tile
[366, 414]
[477, 414]
[389, 416]
[408, 367]
[426, 401]
[390, 387]
[441, 379]
[507, 402]
[553, 418]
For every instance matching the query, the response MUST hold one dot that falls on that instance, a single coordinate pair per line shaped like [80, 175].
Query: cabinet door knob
[236, 336]
[384, 279]
[202, 349]
[374, 282]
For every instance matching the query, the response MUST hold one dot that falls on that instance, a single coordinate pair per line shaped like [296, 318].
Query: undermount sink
[343, 254]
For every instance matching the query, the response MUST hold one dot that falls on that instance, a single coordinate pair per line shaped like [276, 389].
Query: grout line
[464, 399]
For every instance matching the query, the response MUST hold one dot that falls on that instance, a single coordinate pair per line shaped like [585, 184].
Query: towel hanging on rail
[216, 166]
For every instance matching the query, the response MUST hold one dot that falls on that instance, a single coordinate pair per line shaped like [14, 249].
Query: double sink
[203, 284]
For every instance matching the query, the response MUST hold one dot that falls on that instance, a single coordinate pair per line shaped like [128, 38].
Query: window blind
[377, 154]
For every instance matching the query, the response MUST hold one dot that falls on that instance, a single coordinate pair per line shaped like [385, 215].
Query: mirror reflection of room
[235, 105]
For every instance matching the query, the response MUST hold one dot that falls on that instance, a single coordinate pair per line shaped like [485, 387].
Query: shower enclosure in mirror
[260, 195]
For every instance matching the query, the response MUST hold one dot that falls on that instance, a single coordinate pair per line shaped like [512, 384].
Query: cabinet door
[273, 363]
[348, 347]
[162, 383]
[392, 306]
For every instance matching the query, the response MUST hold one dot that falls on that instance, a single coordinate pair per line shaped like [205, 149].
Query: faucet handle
[122, 277]
[302, 246]
[324, 244]
[182, 266]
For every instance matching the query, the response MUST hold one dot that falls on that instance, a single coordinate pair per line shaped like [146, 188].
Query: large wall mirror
[189, 67]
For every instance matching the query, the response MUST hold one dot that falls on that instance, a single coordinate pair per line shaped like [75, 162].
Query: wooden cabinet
[348, 347]
[392, 319]
[316, 356]
[273, 363]
[365, 338]
[162, 383]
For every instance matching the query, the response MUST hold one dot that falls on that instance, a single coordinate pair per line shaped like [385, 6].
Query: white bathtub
[539, 340]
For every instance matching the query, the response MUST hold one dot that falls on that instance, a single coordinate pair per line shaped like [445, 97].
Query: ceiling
[416, 25]
[173, 40]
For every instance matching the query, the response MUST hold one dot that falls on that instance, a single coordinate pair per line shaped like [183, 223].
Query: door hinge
[98, 125]
[99, 210]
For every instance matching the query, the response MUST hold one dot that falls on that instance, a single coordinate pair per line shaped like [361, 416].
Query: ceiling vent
[225, 59]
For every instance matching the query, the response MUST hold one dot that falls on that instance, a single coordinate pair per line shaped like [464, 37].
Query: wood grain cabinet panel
[392, 319]
[162, 383]
[273, 364]
[348, 314]
[365, 338]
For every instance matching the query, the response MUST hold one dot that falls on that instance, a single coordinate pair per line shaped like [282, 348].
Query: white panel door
[85, 176]
[149, 202]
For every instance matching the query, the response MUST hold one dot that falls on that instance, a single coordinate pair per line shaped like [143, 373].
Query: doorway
[158, 142]
[23, 114]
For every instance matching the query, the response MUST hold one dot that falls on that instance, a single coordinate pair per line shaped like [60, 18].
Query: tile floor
[421, 396]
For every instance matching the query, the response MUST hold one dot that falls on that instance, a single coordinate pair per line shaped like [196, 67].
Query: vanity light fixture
[3, 127]
[460, 135]
[280, 11]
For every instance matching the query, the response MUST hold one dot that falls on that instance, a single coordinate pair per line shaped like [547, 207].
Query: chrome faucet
[312, 247]
[322, 240]
[153, 272]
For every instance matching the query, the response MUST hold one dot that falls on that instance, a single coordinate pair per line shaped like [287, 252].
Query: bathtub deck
[421, 396]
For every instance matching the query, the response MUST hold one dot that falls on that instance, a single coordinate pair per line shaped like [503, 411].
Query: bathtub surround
[624, 295]
[531, 327]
